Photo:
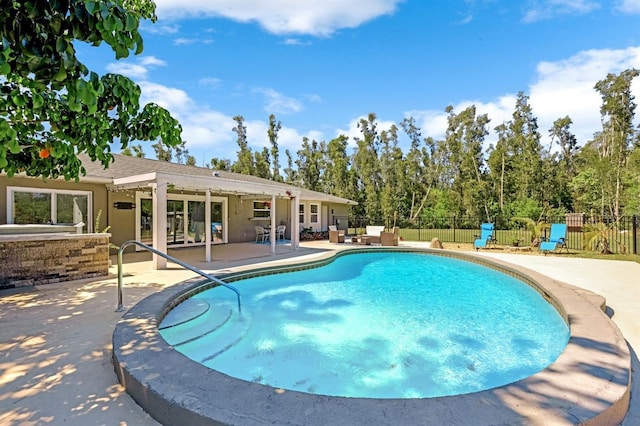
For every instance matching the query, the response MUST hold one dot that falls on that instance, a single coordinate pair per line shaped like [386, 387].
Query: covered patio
[159, 184]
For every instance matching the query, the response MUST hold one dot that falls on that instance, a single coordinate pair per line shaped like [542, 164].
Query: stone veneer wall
[28, 260]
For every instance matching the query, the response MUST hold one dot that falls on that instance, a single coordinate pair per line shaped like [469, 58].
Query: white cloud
[158, 28]
[175, 100]
[181, 41]
[211, 81]
[539, 10]
[277, 103]
[283, 16]
[209, 133]
[184, 41]
[138, 70]
[296, 42]
[567, 88]
[560, 88]
[152, 61]
[133, 71]
[629, 6]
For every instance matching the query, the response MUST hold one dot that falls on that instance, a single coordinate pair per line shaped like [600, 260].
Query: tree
[526, 149]
[367, 168]
[336, 174]
[182, 153]
[274, 128]
[220, 164]
[244, 164]
[617, 112]
[391, 173]
[190, 160]
[515, 162]
[52, 107]
[310, 164]
[262, 165]
[564, 169]
[290, 173]
[421, 169]
[162, 153]
[463, 141]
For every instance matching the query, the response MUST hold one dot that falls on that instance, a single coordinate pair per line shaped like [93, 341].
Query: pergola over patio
[159, 183]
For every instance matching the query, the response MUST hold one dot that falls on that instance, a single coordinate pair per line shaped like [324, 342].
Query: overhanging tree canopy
[52, 107]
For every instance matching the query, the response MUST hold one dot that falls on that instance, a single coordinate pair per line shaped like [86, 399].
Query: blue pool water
[374, 325]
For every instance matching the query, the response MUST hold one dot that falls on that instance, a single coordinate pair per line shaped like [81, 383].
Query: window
[314, 209]
[262, 209]
[39, 205]
[301, 213]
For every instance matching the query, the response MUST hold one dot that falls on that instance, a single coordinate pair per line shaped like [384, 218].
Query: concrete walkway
[55, 340]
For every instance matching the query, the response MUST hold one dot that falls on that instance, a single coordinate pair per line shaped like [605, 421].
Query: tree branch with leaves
[52, 107]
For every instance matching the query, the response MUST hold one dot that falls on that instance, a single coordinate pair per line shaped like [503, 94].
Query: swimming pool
[374, 325]
[589, 383]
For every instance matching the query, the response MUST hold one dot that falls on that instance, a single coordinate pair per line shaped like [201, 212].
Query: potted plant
[536, 229]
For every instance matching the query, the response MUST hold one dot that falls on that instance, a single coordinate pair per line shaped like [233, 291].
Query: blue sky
[320, 66]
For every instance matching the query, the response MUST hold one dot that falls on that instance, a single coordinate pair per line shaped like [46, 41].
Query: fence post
[634, 233]
[454, 228]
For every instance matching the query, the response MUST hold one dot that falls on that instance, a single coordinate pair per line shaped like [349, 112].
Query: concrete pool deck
[56, 339]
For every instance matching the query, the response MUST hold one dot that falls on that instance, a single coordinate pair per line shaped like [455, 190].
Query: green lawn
[505, 238]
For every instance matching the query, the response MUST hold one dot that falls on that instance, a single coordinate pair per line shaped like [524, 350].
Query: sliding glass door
[185, 219]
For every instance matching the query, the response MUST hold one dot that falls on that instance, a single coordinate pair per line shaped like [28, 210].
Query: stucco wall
[122, 221]
[241, 225]
[98, 190]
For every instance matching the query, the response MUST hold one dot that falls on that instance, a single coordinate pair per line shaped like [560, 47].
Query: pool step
[181, 330]
[208, 347]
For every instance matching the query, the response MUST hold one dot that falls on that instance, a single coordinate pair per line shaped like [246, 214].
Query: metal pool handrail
[126, 244]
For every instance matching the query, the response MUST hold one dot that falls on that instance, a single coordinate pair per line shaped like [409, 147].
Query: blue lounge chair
[557, 239]
[486, 238]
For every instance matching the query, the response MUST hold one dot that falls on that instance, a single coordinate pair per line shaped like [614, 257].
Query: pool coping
[588, 384]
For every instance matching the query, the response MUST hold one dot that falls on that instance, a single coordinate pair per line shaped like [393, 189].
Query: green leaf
[18, 99]
[132, 22]
[38, 101]
[61, 75]
[91, 7]
[14, 146]
[139, 45]
[61, 45]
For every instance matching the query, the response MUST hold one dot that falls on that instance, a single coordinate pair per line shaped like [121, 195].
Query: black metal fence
[602, 234]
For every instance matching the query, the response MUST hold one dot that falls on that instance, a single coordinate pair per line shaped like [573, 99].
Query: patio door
[175, 222]
[185, 219]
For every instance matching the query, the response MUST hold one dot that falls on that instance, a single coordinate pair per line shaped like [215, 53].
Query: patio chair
[280, 230]
[486, 237]
[336, 235]
[261, 234]
[372, 234]
[557, 239]
[390, 238]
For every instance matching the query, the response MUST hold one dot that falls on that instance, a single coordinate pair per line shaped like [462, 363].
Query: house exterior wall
[122, 221]
[242, 225]
[338, 215]
[98, 191]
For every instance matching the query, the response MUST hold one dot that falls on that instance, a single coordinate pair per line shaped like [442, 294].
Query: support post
[272, 232]
[159, 221]
[207, 226]
[295, 216]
